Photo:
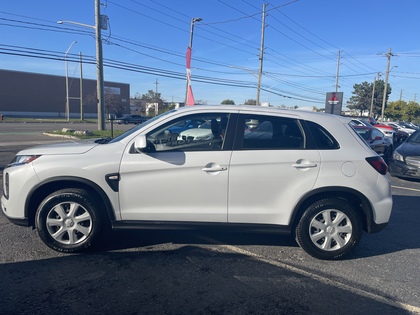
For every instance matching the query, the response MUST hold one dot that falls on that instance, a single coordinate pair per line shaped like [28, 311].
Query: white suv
[256, 168]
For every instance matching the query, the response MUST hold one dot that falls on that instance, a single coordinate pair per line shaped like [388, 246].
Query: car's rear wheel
[329, 229]
[68, 220]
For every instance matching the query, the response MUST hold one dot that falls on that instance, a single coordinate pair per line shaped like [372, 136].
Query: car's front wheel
[329, 229]
[68, 220]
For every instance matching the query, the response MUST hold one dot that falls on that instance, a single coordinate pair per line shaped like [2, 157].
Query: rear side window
[271, 133]
[323, 139]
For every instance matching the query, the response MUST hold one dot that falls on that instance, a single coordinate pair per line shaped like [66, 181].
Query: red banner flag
[190, 97]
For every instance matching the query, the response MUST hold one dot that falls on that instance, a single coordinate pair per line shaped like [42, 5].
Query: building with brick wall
[28, 94]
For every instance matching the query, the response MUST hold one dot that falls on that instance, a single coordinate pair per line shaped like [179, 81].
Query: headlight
[397, 156]
[23, 159]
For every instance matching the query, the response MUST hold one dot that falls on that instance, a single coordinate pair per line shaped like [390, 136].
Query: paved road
[208, 272]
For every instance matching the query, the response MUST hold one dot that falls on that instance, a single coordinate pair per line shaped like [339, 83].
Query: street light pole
[193, 20]
[99, 64]
[67, 81]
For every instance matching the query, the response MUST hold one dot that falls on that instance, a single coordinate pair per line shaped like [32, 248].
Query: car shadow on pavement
[185, 280]
[125, 239]
[400, 234]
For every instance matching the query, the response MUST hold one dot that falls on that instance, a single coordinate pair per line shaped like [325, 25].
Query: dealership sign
[334, 103]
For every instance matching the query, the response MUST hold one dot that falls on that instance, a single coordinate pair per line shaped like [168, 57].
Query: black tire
[68, 220]
[125, 122]
[329, 229]
[388, 155]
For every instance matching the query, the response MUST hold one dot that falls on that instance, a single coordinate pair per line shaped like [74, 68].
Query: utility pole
[257, 102]
[389, 55]
[99, 68]
[373, 95]
[337, 73]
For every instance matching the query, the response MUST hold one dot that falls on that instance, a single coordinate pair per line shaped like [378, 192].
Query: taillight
[378, 164]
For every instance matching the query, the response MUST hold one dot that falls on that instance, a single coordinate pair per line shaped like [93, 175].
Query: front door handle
[213, 167]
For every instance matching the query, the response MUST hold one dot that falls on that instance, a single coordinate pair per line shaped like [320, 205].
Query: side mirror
[140, 143]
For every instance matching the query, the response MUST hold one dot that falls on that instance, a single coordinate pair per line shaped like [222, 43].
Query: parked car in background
[408, 125]
[377, 141]
[406, 158]
[185, 125]
[131, 119]
[370, 121]
[202, 132]
[295, 172]
[402, 131]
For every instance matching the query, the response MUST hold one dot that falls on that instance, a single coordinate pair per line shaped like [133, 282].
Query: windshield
[133, 130]
[414, 138]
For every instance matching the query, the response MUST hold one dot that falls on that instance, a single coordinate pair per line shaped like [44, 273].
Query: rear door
[270, 169]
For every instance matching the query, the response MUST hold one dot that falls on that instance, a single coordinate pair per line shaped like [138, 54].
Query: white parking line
[363, 293]
[405, 188]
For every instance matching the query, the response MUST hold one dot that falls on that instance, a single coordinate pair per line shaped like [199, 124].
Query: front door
[182, 177]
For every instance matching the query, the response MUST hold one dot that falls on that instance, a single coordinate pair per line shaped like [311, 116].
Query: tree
[153, 99]
[394, 110]
[113, 104]
[362, 97]
[228, 102]
[401, 110]
[412, 112]
[250, 102]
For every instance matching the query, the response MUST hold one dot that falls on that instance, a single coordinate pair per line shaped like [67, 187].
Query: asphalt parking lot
[208, 272]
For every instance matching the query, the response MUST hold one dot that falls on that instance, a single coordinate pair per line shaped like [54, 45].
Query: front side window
[198, 132]
[271, 133]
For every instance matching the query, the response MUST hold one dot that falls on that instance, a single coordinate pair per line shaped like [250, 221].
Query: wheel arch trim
[345, 193]
[42, 189]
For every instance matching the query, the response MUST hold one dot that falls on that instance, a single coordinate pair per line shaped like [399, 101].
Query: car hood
[71, 147]
[409, 149]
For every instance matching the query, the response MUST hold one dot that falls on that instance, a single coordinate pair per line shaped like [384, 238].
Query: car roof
[303, 114]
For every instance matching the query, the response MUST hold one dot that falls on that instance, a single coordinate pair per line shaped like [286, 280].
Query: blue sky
[147, 39]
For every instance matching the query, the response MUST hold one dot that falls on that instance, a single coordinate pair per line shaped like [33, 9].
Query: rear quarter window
[323, 139]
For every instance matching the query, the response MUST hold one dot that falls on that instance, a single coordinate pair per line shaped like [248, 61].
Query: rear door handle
[309, 165]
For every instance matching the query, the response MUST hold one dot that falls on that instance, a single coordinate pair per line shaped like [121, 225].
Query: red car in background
[370, 121]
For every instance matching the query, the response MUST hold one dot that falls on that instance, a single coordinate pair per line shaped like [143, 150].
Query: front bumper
[400, 169]
[17, 221]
